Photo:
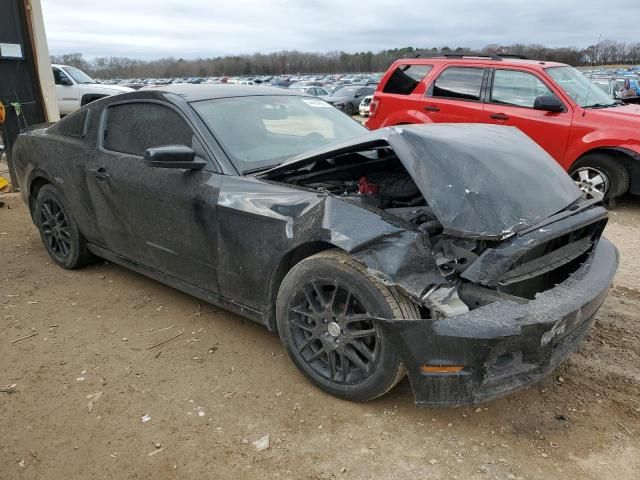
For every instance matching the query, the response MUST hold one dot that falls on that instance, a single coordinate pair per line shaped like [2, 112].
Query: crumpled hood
[481, 181]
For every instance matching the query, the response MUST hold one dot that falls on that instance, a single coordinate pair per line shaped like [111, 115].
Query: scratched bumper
[503, 347]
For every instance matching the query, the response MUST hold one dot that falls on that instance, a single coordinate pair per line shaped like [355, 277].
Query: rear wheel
[324, 311]
[600, 175]
[59, 231]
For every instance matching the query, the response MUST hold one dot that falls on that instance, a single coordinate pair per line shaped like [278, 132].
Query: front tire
[324, 310]
[597, 174]
[59, 231]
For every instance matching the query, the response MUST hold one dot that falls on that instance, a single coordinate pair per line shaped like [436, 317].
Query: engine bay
[373, 179]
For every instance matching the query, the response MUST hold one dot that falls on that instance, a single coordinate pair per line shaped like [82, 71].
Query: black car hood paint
[481, 181]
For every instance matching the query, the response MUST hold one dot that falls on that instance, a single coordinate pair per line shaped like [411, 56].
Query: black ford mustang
[460, 254]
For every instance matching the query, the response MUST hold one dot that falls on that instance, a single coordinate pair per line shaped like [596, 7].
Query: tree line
[606, 52]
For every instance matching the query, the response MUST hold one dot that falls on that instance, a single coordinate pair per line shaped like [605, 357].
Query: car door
[162, 218]
[511, 100]
[455, 95]
[67, 93]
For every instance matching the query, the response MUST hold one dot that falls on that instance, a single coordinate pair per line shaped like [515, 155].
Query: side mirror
[548, 103]
[173, 156]
[66, 81]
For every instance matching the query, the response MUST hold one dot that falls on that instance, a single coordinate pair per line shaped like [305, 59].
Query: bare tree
[290, 62]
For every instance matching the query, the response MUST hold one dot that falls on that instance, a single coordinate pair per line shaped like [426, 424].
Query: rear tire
[323, 313]
[59, 231]
[598, 172]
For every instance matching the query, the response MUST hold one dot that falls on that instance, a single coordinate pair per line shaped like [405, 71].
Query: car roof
[506, 61]
[207, 91]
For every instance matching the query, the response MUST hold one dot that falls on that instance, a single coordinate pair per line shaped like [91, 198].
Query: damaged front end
[482, 230]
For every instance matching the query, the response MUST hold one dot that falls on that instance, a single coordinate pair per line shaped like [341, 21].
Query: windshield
[579, 87]
[604, 86]
[78, 75]
[263, 131]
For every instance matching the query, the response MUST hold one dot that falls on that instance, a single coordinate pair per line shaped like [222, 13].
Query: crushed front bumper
[502, 346]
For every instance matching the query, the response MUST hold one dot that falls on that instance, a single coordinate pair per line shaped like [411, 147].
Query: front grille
[550, 263]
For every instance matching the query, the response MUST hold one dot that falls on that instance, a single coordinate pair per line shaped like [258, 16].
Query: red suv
[595, 138]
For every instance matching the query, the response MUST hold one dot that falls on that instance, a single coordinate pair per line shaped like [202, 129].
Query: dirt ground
[226, 382]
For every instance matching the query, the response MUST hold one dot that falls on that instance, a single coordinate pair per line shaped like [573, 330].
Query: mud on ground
[226, 382]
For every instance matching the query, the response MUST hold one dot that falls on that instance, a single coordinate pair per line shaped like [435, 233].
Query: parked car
[313, 91]
[332, 88]
[462, 254]
[74, 88]
[592, 136]
[348, 98]
[614, 86]
[306, 83]
[280, 83]
[364, 105]
[626, 88]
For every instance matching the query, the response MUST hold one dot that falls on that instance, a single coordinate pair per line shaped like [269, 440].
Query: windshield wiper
[602, 105]
[259, 169]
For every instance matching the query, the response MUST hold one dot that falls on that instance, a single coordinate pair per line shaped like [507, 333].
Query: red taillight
[373, 107]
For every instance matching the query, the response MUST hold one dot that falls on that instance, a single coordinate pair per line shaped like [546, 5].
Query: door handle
[431, 108]
[100, 173]
[499, 116]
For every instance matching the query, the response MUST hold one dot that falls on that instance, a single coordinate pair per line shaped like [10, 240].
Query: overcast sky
[203, 28]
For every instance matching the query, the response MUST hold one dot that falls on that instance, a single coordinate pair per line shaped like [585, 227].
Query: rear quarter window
[405, 78]
[74, 125]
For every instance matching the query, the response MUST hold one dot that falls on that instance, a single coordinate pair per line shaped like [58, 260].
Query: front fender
[260, 223]
[626, 142]
[605, 140]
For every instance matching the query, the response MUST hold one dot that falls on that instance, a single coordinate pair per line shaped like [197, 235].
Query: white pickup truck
[74, 88]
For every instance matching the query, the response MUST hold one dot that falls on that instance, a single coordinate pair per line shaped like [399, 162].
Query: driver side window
[131, 128]
[520, 89]
[58, 75]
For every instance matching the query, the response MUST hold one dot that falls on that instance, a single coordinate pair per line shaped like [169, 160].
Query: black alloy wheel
[58, 229]
[55, 229]
[327, 314]
[333, 333]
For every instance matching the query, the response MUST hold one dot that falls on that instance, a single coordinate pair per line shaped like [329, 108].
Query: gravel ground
[226, 382]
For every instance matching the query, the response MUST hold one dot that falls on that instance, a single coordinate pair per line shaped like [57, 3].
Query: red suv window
[517, 88]
[461, 83]
[405, 78]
